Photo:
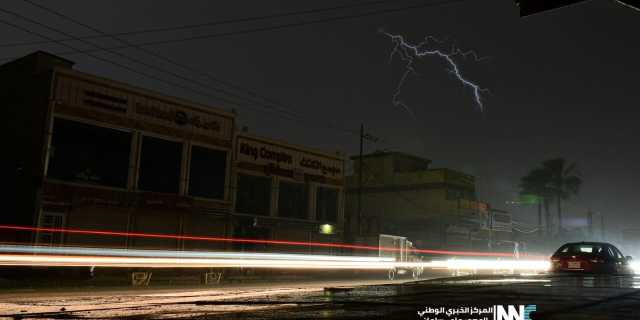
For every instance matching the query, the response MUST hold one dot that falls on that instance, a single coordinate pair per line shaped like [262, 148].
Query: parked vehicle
[590, 257]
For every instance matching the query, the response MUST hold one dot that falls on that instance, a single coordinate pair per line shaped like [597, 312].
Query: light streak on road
[86, 251]
[253, 241]
[121, 258]
[477, 264]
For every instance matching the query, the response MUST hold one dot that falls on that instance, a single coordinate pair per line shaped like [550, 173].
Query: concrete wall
[24, 104]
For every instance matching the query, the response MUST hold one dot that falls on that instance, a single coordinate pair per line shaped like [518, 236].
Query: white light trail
[410, 52]
[182, 254]
[119, 258]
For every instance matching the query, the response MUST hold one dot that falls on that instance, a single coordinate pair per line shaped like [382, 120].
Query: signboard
[95, 95]
[251, 150]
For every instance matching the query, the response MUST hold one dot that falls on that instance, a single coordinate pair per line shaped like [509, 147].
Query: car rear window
[581, 248]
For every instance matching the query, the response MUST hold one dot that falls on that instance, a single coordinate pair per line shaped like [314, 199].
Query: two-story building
[287, 192]
[92, 153]
[89, 153]
[402, 195]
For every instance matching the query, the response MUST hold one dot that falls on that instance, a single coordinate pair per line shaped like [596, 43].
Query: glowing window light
[326, 229]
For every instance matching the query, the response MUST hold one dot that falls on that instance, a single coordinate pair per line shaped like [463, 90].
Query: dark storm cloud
[561, 84]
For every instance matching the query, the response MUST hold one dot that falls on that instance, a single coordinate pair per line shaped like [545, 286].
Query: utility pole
[490, 244]
[602, 226]
[359, 226]
[590, 223]
[371, 138]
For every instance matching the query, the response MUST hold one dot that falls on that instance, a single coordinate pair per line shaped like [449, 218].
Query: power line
[183, 66]
[246, 31]
[26, 30]
[148, 65]
[284, 114]
[270, 28]
[113, 62]
[205, 24]
[137, 47]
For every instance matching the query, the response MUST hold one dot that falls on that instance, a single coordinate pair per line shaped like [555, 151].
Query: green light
[326, 229]
[529, 199]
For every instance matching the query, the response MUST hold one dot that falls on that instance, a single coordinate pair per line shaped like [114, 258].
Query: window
[160, 165]
[581, 248]
[327, 204]
[207, 173]
[292, 200]
[619, 254]
[89, 154]
[50, 220]
[588, 249]
[253, 195]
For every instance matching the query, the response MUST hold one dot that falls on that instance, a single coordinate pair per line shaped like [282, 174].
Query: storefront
[108, 156]
[124, 159]
[286, 192]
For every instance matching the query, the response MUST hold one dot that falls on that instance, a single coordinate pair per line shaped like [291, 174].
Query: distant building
[402, 195]
[85, 152]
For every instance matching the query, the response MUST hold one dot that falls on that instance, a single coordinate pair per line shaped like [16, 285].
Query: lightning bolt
[410, 53]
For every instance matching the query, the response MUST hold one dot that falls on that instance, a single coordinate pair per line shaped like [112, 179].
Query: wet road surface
[556, 297]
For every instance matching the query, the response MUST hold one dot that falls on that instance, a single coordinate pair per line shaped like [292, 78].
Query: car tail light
[555, 260]
[597, 260]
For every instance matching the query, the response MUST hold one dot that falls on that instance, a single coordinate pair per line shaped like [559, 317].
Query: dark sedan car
[590, 257]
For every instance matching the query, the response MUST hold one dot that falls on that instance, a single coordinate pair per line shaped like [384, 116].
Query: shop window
[327, 204]
[207, 173]
[89, 154]
[253, 195]
[52, 220]
[160, 162]
[292, 200]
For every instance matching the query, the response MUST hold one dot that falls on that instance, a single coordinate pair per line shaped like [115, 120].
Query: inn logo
[510, 312]
[495, 312]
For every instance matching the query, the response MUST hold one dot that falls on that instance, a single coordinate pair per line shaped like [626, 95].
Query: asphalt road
[558, 297]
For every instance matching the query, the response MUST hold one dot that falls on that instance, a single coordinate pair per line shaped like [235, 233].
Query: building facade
[287, 192]
[105, 155]
[402, 195]
[89, 153]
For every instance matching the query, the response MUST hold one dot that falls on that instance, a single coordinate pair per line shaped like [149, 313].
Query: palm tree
[535, 188]
[564, 182]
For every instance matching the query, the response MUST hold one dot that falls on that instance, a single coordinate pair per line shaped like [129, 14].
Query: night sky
[561, 84]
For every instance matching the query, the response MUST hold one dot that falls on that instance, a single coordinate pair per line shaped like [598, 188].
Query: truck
[402, 250]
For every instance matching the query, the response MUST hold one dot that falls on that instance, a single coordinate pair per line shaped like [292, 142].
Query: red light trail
[252, 241]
